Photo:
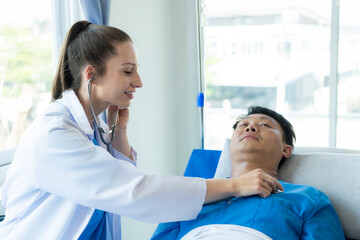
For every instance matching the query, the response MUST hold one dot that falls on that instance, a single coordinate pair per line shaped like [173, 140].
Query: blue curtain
[96, 11]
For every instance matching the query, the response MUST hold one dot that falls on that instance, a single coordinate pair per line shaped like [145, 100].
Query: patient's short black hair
[289, 133]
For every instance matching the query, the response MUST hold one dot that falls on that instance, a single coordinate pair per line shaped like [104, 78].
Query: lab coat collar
[77, 111]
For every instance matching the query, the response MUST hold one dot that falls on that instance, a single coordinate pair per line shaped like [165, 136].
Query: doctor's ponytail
[84, 44]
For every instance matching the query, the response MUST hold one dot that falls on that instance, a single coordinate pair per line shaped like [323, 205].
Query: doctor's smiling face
[119, 82]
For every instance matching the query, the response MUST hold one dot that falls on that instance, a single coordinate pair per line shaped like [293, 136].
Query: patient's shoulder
[308, 200]
[304, 195]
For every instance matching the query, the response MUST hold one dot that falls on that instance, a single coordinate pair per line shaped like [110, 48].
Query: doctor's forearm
[218, 189]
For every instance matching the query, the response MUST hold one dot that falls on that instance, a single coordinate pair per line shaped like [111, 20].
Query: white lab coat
[58, 177]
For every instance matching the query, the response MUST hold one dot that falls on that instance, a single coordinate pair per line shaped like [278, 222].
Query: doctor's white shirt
[59, 177]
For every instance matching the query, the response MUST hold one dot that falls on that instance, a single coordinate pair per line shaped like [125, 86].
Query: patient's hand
[256, 182]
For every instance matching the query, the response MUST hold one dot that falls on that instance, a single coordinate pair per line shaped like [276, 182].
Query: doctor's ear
[89, 73]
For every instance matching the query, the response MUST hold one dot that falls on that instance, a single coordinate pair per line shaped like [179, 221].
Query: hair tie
[84, 27]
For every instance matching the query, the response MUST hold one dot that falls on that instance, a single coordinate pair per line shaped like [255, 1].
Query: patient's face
[258, 135]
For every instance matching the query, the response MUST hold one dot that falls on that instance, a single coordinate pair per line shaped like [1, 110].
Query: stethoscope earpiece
[92, 78]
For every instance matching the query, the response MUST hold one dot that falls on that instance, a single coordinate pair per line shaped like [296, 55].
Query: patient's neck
[243, 165]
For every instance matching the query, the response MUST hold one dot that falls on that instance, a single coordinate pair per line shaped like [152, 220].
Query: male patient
[261, 140]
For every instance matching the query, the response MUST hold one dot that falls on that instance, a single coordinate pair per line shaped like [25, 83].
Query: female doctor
[72, 178]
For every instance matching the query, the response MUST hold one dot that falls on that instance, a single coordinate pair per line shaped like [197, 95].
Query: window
[26, 68]
[348, 104]
[282, 60]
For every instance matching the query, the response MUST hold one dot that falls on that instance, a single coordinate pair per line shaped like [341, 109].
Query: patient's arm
[166, 231]
[323, 223]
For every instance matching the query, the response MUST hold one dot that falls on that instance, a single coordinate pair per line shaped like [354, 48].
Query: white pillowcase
[224, 168]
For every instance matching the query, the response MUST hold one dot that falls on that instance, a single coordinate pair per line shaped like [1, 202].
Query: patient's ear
[287, 151]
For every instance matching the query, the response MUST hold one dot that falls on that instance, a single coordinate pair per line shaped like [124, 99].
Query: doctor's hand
[251, 183]
[122, 118]
[256, 182]
[120, 141]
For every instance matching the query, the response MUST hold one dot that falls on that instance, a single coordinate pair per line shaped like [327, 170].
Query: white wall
[164, 120]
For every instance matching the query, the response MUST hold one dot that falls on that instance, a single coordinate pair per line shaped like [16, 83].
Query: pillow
[331, 170]
[224, 168]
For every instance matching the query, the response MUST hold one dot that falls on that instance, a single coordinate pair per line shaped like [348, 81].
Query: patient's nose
[250, 128]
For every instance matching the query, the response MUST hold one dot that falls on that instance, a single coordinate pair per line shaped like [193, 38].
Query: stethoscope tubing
[100, 129]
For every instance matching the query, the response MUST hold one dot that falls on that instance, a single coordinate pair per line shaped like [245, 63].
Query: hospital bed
[333, 171]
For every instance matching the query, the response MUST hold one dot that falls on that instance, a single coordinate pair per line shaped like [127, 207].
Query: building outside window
[281, 61]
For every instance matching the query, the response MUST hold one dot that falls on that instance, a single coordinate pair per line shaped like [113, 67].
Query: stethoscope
[97, 125]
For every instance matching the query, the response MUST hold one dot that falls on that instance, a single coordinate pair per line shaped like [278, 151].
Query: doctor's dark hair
[289, 133]
[85, 43]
